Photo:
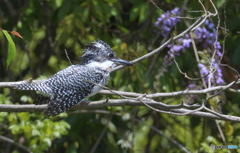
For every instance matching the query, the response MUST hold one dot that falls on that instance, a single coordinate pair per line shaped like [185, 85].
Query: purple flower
[186, 43]
[218, 73]
[219, 80]
[203, 69]
[176, 48]
[215, 77]
[210, 25]
[191, 86]
[205, 38]
[175, 11]
[167, 21]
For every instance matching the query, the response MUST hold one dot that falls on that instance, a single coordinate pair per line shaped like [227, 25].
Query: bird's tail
[28, 85]
[36, 85]
[10, 84]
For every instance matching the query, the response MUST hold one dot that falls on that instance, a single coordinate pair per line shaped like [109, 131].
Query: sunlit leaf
[11, 47]
[48, 141]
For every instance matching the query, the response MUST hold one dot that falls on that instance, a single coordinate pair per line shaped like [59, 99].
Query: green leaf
[14, 128]
[11, 47]
[48, 141]
[220, 3]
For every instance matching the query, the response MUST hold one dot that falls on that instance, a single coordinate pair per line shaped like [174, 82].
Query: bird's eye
[110, 55]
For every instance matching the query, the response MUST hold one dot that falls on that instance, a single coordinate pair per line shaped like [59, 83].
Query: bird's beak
[121, 61]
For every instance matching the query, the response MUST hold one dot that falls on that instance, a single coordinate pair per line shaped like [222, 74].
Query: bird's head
[100, 54]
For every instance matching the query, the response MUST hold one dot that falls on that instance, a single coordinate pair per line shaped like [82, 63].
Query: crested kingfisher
[77, 82]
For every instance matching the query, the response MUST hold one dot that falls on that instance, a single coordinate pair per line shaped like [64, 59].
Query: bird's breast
[106, 65]
[99, 86]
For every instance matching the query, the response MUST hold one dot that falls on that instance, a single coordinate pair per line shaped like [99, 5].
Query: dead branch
[169, 109]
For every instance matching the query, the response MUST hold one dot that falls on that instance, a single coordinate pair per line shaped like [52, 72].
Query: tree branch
[155, 51]
[171, 94]
[12, 142]
[169, 109]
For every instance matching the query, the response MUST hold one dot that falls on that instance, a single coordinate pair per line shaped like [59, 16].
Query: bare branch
[22, 108]
[12, 142]
[169, 109]
[164, 44]
[154, 95]
[69, 60]
[184, 149]
[173, 94]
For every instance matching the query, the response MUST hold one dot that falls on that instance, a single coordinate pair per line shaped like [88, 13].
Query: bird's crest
[98, 51]
[96, 47]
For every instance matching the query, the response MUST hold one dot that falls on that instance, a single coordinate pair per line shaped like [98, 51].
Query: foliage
[50, 27]
[34, 130]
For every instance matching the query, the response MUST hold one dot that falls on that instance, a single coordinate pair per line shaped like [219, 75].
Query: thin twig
[173, 94]
[184, 149]
[66, 53]
[195, 110]
[185, 74]
[12, 142]
[99, 140]
[164, 44]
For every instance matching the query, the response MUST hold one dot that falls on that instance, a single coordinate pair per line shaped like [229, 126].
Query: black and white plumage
[76, 82]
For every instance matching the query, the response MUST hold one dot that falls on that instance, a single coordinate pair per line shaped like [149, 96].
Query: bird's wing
[75, 77]
[61, 103]
[71, 87]
[44, 85]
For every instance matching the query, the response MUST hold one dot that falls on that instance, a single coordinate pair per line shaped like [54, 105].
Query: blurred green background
[49, 27]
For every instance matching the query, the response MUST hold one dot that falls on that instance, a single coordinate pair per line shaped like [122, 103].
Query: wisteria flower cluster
[167, 21]
[179, 46]
[205, 38]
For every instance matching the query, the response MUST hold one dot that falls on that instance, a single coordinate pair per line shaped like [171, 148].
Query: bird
[76, 83]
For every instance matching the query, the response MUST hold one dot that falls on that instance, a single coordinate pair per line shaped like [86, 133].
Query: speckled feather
[81, 82]
[76, 82]
[69, 86]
